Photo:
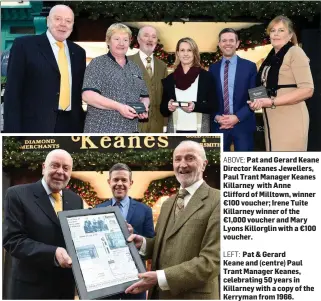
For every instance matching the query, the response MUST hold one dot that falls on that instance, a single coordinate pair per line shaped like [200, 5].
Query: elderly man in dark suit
[154, 70]
[135, 213]
[44, 80]
[32, 233]
[186, 249]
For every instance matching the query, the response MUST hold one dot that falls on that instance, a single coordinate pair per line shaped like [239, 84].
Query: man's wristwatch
[273, 106]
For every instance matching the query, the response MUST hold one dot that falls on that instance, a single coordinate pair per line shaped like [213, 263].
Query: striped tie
[120, 206]
[225, 95]
[149, 66]
[180, 201]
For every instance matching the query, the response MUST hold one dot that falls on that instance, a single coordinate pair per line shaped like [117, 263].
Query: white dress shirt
[49, 192]
[143, 57]
[55, 49]
[161, 277]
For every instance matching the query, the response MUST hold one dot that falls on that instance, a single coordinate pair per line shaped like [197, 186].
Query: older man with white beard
[154, 70]
[32, 233]
[186, 249]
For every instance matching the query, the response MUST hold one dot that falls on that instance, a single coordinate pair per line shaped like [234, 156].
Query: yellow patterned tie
[149, 66]
[180, 201]
[64, 96]
[58, 201]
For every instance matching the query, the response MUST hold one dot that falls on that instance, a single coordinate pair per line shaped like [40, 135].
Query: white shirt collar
[143, 56]
[192, 189]
[52, 40]
[46, 187]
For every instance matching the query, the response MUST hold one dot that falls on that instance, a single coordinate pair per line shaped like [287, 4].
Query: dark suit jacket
[33, 85]
[31, 235]
[139, 216]
[245, 77]
[189, 250]
[206, 95]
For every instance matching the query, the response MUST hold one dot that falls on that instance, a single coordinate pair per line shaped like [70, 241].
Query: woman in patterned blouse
[111, 84]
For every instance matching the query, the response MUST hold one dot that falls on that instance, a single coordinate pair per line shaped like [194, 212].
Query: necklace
[265, 74]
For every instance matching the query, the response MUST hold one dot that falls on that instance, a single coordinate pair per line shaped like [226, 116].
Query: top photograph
[249, 70]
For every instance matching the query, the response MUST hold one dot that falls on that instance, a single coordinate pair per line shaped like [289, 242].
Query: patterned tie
[180, 201]
[64, 96]
[225, 95]
[149, 66]
[58, 201]
[120, 206]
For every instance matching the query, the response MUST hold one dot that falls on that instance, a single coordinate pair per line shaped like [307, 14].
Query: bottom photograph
[111, 217]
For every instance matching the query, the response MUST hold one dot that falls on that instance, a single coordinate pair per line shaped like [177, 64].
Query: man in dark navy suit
[32, 235]
[44, 80]
[233, 76]
[135, 213]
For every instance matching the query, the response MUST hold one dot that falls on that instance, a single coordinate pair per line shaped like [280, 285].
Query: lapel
[106, 203]
[66, 201]
[195, 203]
[218, 75]
[138, 61]
[157, 68]
[131, 210]
[238, 75]
[73, 63]
[43, 201]
[46, 50]
[166, 212]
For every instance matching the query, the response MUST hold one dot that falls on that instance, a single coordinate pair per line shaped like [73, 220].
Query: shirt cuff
[142, 250]
[162, 282]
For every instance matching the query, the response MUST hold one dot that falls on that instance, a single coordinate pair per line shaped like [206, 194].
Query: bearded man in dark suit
[44, 80]
[41, 266]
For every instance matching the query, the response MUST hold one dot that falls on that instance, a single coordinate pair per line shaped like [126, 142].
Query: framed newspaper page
[103, 262]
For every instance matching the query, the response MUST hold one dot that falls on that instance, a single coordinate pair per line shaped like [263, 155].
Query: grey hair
[195, 144]
[140, 32]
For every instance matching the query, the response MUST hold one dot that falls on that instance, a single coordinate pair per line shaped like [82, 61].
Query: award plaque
[258, 92]
[180, 104]
[103, 262]
[139, 107]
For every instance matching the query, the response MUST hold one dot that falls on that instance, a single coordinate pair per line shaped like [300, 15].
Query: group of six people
[48, 78]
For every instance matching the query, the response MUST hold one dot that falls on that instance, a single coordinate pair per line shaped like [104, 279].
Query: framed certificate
[103, 262]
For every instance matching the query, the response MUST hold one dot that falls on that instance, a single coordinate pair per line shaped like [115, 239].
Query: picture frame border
[76, 269]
